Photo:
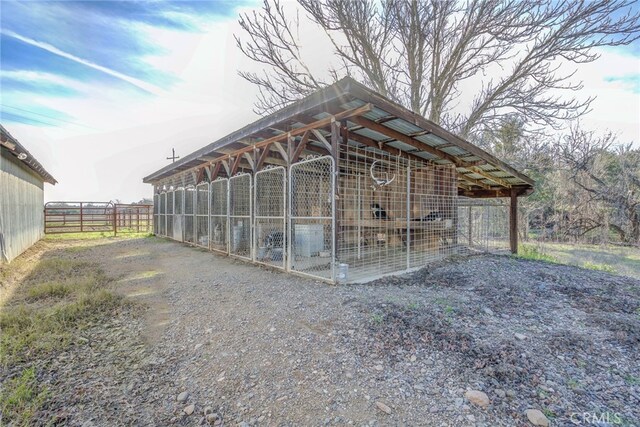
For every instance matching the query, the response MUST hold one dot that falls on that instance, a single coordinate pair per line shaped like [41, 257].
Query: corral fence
[106, 217]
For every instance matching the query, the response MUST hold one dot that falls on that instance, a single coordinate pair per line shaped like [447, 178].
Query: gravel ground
[251, 346]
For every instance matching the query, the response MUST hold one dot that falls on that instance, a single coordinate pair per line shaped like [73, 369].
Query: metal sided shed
[346, 185]
[22, 180]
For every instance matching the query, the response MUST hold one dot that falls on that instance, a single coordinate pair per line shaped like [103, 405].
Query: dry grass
[51, 302]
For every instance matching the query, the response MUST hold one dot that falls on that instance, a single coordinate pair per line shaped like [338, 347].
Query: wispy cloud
[148, 87]
[630, 82]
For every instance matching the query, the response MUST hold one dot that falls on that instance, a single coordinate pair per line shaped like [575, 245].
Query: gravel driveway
[251, 346]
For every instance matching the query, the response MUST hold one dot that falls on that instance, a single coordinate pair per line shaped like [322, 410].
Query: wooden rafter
[297, 151]
[399, 136]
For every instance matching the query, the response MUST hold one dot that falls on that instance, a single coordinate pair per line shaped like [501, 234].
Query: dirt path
[261, 347]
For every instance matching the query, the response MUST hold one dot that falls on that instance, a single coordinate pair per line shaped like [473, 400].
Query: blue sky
[100, 92]
[58, 41]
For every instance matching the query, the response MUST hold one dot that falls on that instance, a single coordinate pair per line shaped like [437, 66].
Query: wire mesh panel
[393, 213]
[311, 212]
[240, 216]
[483, 225]
[162, 217]
[169, 214]
[178, 215]
[269, 211]
[156, 211]
[219, 215]
[433, 198]
[202, 215]
[189, 214]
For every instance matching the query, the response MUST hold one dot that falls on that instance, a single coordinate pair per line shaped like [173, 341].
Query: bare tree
[420, 52]
[608, 175]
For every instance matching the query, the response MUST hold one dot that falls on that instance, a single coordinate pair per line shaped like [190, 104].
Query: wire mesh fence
[156, 211]
[373, 214]
[483, 225]
[202, 215]
[311, 217]
[394, 214]
[169, 214]
[240, 211]
[270, 227]
[162, 215]
[219, 223]
[189, 214]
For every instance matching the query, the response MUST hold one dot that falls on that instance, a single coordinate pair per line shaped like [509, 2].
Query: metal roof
[22, 154]
[395, 127]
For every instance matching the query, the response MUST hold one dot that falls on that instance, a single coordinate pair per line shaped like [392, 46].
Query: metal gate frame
[257, 217]
[156, 211]
[178, 217]
[212, 202]
[162, 215]
[169, 215]
[291, 218]
[249, 217]
[198, 216]
[189, 190]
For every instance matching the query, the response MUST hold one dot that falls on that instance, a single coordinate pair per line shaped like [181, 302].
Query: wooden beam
[281, 150]
[397, 152]
[295, 155]
[513, 222]
[235, 165]
[320, 137]
[262, 156]
[490, 177]
[250, 160]
[227, 168]
[294, 132]
[216, 171]
[399, 136]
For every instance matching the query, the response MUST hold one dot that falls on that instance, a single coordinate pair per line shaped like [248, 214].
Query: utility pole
[173, 157]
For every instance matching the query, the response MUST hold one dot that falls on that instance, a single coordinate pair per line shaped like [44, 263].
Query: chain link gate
[162, 217]
[156, 211]
[189, 214]
[169, 214]
[219, 215]
[311, 218]
[240, 206]
[178, 216]
[269, 211]
[202, 215]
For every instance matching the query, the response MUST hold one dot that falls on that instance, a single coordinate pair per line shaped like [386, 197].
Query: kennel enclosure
[343, 185]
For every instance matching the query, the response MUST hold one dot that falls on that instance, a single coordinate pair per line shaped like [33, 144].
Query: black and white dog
[378, 211]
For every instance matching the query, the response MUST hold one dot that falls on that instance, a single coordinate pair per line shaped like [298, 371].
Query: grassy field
[48, 299]
[623, 260]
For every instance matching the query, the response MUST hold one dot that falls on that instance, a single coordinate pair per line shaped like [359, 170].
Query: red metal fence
[82, 217]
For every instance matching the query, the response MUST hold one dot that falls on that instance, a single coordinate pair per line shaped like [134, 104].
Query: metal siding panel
[21, 208]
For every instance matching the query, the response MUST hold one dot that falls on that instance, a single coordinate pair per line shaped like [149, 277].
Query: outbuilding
[22, 180]
[344, 185]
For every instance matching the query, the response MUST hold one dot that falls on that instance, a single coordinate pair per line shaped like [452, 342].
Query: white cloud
[50, 48]
[209, 100]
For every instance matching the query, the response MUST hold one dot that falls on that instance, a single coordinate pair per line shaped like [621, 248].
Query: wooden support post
[335, 153]
[513, 222]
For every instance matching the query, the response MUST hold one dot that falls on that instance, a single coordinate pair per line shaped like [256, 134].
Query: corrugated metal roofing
[385, 113]
[23, 155]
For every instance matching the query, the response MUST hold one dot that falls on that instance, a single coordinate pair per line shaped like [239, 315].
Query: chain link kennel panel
[269, 205]
[156, 211]
[240, 216]
[169, 214]
[189, 214]
[178, 215]
[202, 215]
[219, 215]
[162, 217]
[311, 218]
